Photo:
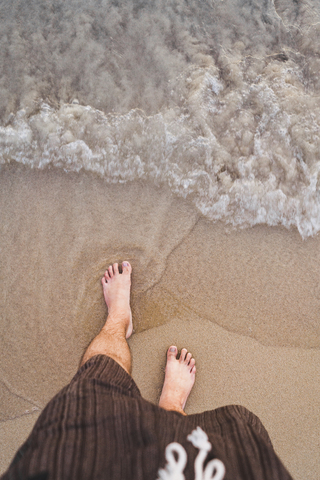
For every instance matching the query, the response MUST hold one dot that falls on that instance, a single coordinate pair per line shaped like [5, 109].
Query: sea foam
[219, 101]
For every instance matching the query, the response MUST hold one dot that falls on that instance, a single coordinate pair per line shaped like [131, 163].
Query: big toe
[126, 268]
[172, 353]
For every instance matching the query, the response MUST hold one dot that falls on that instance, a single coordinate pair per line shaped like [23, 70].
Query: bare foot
[116, 290]
[178, 381]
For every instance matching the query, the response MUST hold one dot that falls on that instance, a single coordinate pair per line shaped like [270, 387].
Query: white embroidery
[215, 469]
[174, 468]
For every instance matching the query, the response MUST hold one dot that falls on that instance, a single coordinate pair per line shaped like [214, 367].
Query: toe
[192, 363]
[115, 268]
[188, 358]
[110, 270]
[183, 354]
[104, 281]
[193, 369]
[172, 352]
[126, 268]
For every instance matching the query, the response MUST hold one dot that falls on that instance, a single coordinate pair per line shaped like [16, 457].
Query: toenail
[126, 264]
[172, 349]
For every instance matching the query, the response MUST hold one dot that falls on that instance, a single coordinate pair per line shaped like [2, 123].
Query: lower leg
[111, 342]
[112, 339]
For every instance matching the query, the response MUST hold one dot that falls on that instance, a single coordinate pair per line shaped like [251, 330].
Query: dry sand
[246, 303]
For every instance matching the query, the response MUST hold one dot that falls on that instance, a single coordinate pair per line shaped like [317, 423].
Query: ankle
[118, 315]
[167, 404]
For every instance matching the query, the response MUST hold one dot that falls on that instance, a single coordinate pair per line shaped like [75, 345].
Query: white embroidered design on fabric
[215, 469]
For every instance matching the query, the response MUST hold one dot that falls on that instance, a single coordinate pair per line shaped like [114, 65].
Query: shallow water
[218, 101]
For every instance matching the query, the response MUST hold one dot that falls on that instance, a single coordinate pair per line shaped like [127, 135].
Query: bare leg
[178, 381]
[112, 340]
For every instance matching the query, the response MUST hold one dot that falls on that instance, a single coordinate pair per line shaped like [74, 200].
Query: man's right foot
[116, 290]
[178, 381]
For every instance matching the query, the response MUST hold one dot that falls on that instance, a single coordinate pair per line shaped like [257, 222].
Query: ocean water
[217, 100]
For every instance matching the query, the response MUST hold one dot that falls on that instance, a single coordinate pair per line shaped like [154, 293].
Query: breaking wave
[225, 113]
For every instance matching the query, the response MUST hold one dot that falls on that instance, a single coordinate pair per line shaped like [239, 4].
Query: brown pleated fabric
[99, 427]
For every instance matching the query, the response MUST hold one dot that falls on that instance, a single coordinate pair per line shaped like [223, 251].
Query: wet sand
[246, 303]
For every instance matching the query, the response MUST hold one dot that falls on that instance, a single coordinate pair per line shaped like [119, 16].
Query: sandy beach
[244, 302]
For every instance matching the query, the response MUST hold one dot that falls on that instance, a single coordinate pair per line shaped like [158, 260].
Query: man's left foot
[178, 381]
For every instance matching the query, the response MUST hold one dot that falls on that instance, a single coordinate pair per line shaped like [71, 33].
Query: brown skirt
[99, 427]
